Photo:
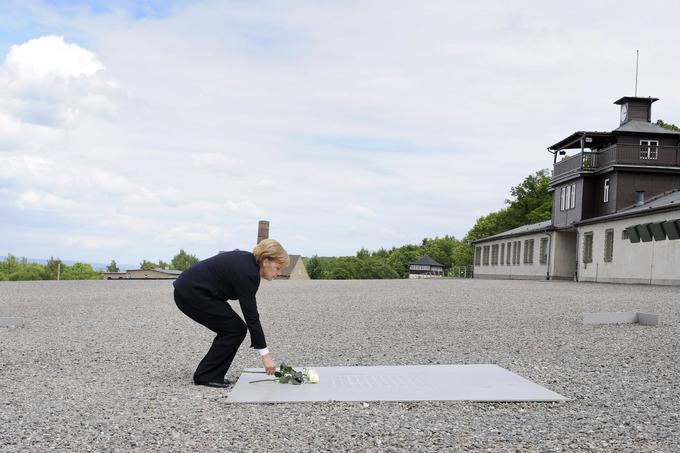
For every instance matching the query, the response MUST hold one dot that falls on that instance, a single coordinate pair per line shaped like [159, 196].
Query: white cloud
[193, 233]
[264, 184]
[41, 200]
[360, 211]
[136, 224]
[244, 207]
[94, 241]
[51, 56]
[49, 82]
[215, 161]
[22, 167]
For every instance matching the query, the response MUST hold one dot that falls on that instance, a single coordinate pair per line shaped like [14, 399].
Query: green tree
[183, 261]
[381, 252]
[112, 267]
[53, 268]
[80, 271]
[341, 271]
[27, 272]
[314, 267]
[440, 250]
[401, 257]
[363, 253]
[531, 198]
[462, 254]
[147, 265]
[375, 268]
[541, 213]
[162, 264]
[488, 225]
[531, 203]
[9, 264]
[670, 127]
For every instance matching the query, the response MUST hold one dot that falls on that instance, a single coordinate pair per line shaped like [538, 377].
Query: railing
[567, 165]
[619, 154]
[461, 272]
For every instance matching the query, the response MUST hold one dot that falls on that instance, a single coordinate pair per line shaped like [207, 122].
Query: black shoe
[217, 384]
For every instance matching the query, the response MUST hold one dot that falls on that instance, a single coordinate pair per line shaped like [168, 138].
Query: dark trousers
[218, 316]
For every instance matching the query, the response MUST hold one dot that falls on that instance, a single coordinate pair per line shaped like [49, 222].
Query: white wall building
[602, 229]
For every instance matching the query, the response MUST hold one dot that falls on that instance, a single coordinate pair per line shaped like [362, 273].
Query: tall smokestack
[262, 230]
[640, 197]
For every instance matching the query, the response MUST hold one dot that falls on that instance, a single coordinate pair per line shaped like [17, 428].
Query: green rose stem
[285, 375]
[263, 380]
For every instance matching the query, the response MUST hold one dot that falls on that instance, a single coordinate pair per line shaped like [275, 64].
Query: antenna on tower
[637, 58]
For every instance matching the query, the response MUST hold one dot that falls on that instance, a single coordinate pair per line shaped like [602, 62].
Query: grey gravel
[107, 365]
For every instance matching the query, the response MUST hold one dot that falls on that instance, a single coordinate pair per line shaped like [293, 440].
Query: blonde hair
[272, 250]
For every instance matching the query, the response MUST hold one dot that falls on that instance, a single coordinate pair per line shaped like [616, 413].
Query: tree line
[16, 269]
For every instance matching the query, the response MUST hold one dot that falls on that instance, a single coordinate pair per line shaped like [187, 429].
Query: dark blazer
[227, 276]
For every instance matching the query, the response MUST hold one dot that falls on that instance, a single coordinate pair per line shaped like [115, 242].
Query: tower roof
[426, 261]
[626, 99]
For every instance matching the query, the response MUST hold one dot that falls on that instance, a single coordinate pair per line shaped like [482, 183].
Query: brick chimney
[262, 230]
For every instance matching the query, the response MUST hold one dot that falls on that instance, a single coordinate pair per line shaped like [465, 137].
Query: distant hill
[95, 266]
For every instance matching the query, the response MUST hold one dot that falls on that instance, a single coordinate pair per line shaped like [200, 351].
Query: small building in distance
[295, 270]
[425, 267]
[143, 274]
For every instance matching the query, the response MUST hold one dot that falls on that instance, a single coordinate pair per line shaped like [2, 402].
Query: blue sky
[130, 131]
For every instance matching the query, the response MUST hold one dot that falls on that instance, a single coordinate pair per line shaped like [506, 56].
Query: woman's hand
[269, 365]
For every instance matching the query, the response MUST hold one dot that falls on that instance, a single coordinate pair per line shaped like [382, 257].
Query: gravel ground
[107, 365]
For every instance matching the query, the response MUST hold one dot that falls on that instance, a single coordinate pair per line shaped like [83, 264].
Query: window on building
[624, 234]
[588, 247]
[568, 197]
[478, 256]
[502, 254]
[649, 149]
[517, 252]
[543, 251]
[494, 255]
[606, 190]
[529, 251]
[608, 245]
[485, 257]
[508, 251]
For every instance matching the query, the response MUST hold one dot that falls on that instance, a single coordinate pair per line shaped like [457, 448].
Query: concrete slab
[621, 317]
[613, 317]
[396, 383]
[648, 319]
[11, 322]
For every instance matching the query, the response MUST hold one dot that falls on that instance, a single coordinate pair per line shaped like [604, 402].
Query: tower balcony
[647, 155]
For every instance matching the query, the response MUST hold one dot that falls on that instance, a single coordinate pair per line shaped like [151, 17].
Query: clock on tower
[624, 113]
[636, 109]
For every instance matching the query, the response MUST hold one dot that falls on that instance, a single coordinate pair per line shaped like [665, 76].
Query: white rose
[312, 377]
